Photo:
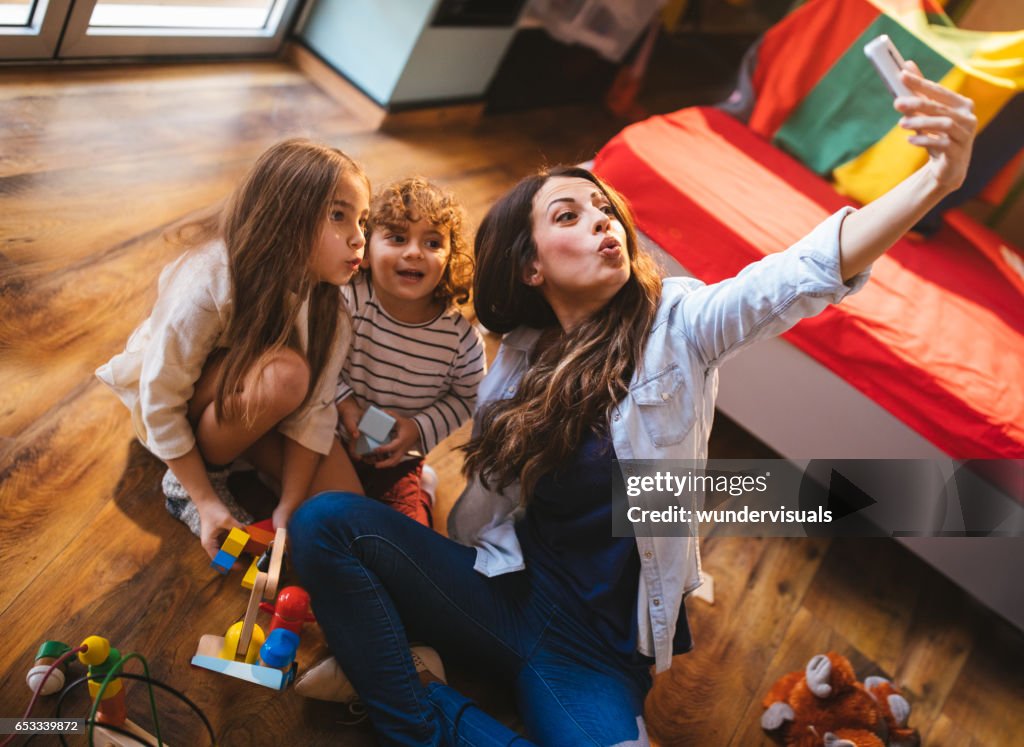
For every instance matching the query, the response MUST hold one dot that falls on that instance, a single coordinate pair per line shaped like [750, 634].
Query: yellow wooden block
[235, 543]
[250, 575]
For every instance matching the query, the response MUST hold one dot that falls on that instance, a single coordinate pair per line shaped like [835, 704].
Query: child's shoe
[179, 504]
[326, 681]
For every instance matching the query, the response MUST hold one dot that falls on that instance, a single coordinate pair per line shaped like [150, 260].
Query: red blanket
[936, 337]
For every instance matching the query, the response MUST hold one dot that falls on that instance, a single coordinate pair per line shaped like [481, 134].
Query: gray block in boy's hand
[365, 444]
[376, 424]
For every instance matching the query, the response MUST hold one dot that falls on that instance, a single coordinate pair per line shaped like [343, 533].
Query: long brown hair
[396, 204]
[270, 225]
[572, 384]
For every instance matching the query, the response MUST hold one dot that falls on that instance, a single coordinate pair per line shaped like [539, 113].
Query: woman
[602, 360]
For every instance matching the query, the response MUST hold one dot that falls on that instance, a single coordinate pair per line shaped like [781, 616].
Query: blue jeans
[378, 579]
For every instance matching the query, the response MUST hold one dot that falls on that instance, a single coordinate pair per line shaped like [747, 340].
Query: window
[142, 28]
[15, 13]
[31, 28]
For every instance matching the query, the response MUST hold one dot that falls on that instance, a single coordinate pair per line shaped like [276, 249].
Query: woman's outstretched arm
[945, 125]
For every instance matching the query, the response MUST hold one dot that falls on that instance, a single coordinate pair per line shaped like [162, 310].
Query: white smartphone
[888, 62]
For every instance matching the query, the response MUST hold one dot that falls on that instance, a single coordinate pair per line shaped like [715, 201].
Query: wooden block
[267, 525]
[259, 538]
[235, 542]
[365, 444]
[258, 546]
[222, 562]
[250, 575]
[376, 424]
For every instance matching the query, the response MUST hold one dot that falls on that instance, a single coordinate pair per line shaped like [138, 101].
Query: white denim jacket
[670, 407]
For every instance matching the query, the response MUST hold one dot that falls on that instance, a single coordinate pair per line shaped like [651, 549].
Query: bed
[926, 362]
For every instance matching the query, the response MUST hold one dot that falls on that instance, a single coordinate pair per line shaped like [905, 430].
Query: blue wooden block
[377, 425]
[223, 562]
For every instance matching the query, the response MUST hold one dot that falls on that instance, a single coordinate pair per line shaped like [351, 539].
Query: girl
[242, 350]
[601, 359]
[413, 354]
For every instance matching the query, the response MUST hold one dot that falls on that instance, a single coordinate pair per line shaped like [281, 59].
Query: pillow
[817, 97]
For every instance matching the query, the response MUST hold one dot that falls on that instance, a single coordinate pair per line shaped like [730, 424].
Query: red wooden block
[261, 534]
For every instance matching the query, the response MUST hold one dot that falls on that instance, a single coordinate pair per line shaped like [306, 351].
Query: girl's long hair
[271, 225]
[573, 383]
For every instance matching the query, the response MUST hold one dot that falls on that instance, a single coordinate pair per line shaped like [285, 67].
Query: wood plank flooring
[94, 164]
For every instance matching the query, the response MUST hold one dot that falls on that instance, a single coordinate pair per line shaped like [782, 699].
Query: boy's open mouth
[411, 274]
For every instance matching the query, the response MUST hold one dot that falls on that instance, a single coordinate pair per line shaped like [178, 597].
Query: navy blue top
[567, 534]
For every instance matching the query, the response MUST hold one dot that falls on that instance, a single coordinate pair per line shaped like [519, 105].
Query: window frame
[38, 38]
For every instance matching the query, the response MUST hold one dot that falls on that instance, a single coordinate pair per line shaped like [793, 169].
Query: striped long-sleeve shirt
[426, 372]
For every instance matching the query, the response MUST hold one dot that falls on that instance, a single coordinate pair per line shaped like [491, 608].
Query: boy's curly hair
[397, 204]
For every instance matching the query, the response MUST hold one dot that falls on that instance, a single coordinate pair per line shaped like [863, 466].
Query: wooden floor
[93, 165]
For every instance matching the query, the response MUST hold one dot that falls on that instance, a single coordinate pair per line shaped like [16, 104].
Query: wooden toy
[235, 542]
[279, 650]
[275, 679]
[290, 611]
[48, 653]
[100, 657]
[376, 424]
[365, 444]
[249, 621]
[374, 430]
[261, 534]
[233, 546]
[106, 689]
[250, 575]
[236, 656]
[231, 643]
[276, 561]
